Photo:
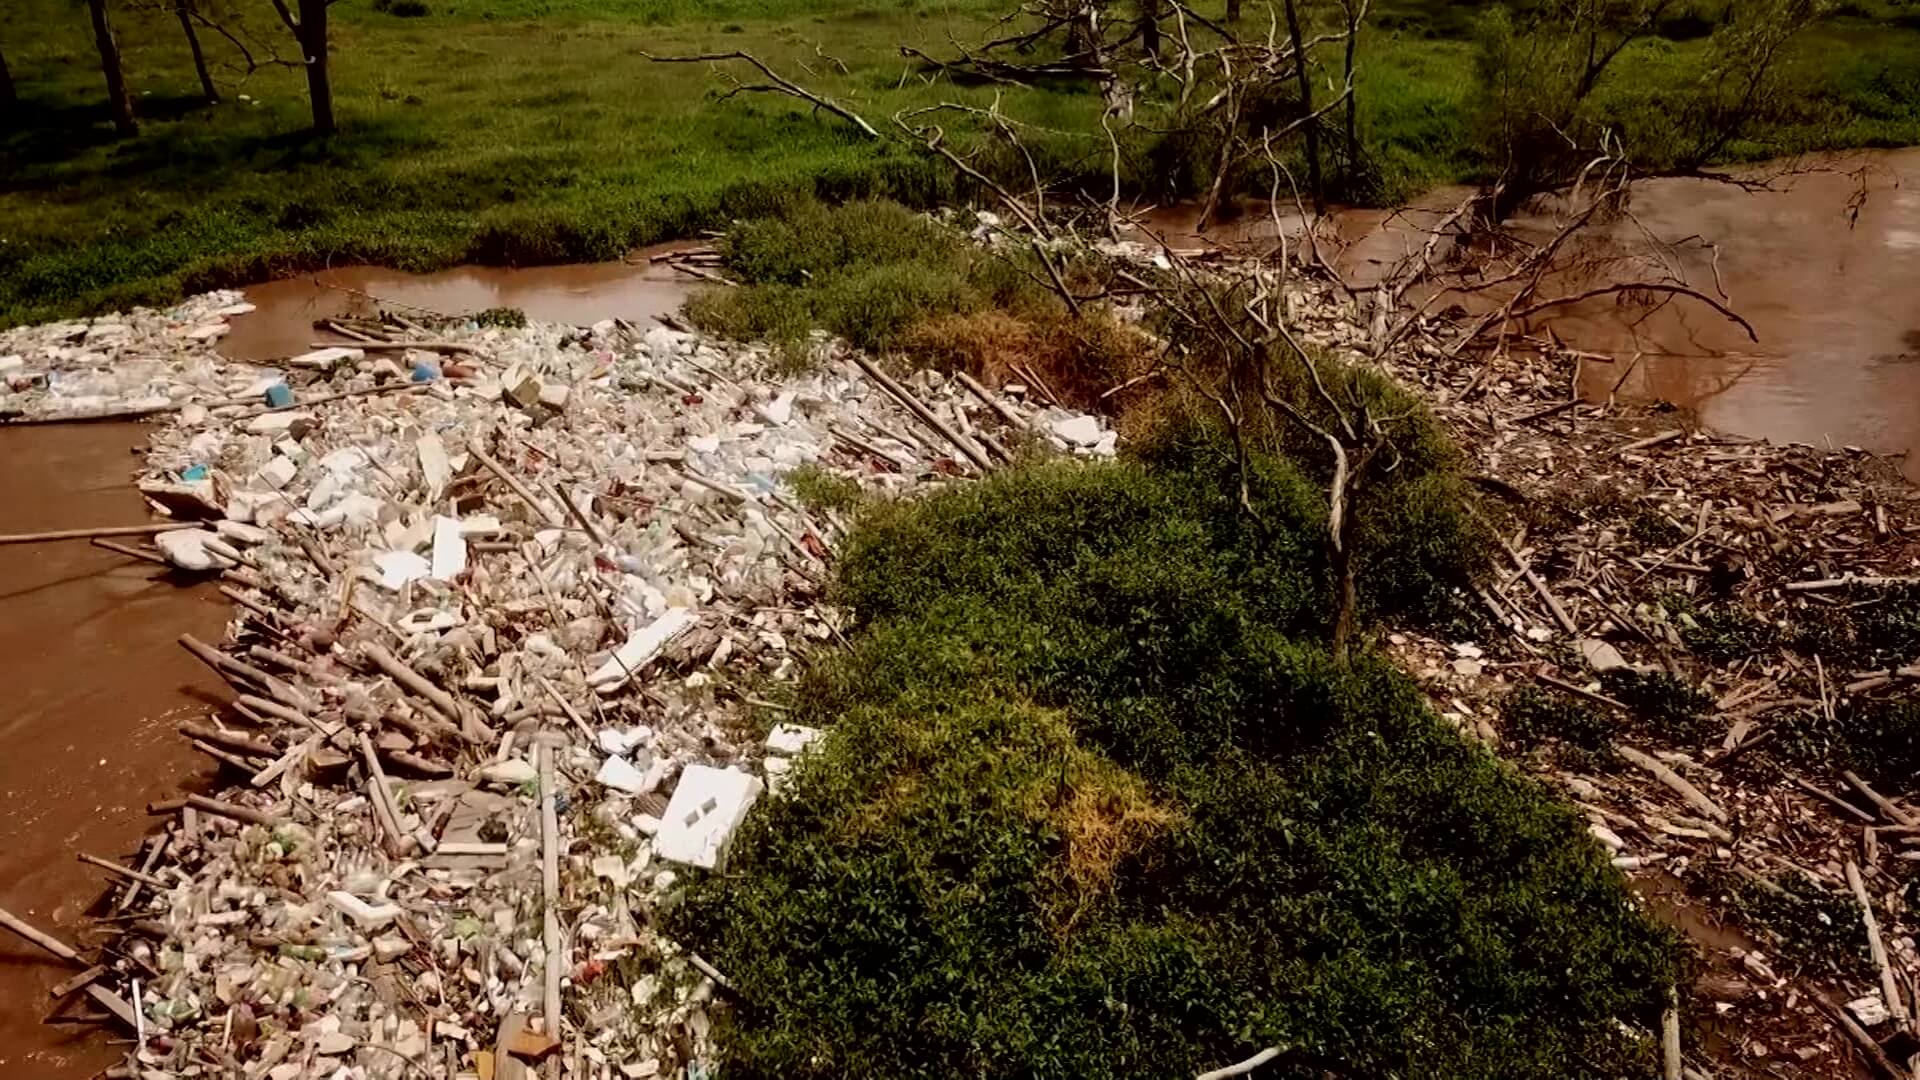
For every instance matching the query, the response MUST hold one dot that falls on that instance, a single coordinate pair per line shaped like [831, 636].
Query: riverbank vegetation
[528, 131]
[1097, 801]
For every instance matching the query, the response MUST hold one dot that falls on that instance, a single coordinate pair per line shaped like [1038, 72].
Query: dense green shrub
[1096, 802]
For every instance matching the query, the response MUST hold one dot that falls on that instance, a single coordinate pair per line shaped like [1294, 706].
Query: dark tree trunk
[1233, 10]
[207, 89]
[1150, 27]
[117, 100]
[7, 98]
[1306, 100]
[313, 42]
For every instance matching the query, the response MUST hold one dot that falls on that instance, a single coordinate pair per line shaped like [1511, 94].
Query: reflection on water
[580, 294]
[1830, 283]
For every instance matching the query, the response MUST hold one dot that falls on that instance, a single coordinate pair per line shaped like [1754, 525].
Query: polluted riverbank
[508, 599]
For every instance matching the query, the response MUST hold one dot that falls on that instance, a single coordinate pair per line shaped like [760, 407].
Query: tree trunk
[207, 89]
[1353, 98]
[1150, 27]
[1233, 11]
[117, 100]
[1346, 601]
[7, 98]
[1306, 101]
[313, 42]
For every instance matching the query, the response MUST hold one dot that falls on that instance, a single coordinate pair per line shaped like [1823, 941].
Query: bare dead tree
[119, 104]
[309, 29]
[776, 84]
[183, 10]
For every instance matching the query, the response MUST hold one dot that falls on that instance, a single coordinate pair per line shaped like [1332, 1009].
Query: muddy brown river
[1833, 296]
[94, 685]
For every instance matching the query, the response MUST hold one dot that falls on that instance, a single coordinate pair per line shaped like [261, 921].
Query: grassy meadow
[532, 131]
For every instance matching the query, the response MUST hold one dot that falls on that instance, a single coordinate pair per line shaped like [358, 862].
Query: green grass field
[529, 131]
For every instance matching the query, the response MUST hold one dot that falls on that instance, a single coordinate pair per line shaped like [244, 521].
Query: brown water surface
[1833, 295]
[94, 684]
[580, 294]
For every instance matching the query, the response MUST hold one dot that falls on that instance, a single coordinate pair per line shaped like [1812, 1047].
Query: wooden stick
[275, 687]
[384, 388]
[1679, 784]
[1834, 801]
[1670, 1061]
[158, 847]
[1241, 1068]
[98, 530]
[1849, 579]
[377, 792]
[409, 679]
[226, 757]
[925, 415]
[1581, 691]
[593, 533]
[566, 707]
[396, 346]
[229, 740]
[480, 455]
[1885, 805]
[1648, 442]
[1553, 602]
[1889, 987]
[45, 940]
[987, 398]
[550, 887]
[116, 868]
[131, 552]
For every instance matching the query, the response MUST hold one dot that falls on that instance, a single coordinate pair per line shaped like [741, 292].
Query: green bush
[1095, 802]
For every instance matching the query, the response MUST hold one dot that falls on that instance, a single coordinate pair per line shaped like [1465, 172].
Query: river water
[1825, 265]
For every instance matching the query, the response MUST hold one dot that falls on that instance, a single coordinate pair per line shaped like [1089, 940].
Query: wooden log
[513, 482]
[1889, 985]
[39, 937]
[1865, 582]
[1241, 1068]
[422, 688]
[237, 813]
[68, 986]
[275, 687]
[1886, 806]
[1648, 443]
[1670, 1062]
[90, 533]
[1673, 780]
[114, 1004]
[550, 888]
[1869, 1049]
[286, 761]
[1834, 801]
[923, 414]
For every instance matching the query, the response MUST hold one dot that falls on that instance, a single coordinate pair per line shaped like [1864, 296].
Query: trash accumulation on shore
[506, 606]
[514, 604]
